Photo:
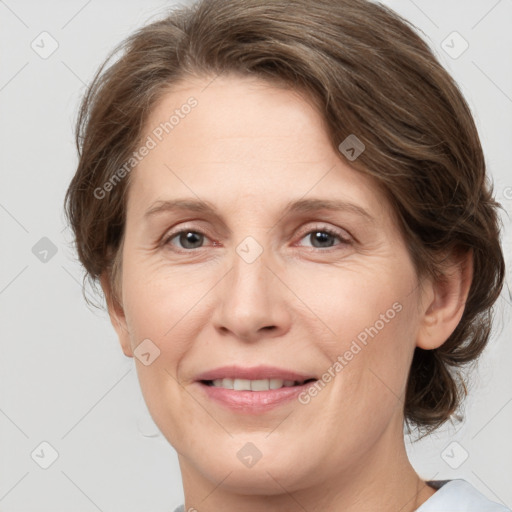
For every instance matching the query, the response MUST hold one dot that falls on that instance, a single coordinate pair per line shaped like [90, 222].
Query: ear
[117, 316]
[445, 301]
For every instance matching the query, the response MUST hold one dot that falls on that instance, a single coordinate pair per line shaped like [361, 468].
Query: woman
[287, 208]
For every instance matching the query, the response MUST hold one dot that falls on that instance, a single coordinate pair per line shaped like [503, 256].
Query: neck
[383, 479]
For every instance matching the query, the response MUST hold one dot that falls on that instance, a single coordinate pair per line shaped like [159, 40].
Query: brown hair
[372, 76]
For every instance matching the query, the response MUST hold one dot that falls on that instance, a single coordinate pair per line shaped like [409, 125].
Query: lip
[253, 373]
[252, 402]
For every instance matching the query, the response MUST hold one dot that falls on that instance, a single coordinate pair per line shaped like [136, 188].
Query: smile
[254, 385]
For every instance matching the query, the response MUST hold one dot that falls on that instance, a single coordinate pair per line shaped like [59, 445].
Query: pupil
[322, 237]
[190, 238]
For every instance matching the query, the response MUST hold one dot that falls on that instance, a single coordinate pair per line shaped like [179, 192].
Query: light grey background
[63, 377]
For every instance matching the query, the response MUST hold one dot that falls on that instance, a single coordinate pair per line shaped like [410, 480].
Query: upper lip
[253, 373]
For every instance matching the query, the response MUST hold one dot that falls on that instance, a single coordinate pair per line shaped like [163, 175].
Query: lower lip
[253, 402]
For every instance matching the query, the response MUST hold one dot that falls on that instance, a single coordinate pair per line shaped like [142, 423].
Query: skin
[249, 148]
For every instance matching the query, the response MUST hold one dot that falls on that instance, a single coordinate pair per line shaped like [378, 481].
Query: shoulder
[181, 508]
[459, 496]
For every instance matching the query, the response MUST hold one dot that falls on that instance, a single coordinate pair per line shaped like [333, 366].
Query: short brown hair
[371, 75]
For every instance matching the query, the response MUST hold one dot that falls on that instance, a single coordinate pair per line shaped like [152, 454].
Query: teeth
[260, 385]
[253, 385]
[242, 385]
[223, 383]
[226, 383]
[276, 383]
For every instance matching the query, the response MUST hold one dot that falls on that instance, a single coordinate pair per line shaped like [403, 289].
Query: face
[256, 258]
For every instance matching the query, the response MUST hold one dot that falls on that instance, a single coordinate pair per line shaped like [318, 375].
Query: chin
[269, 479]
[266, 476]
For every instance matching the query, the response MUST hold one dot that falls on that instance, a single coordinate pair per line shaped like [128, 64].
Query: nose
[251, 299]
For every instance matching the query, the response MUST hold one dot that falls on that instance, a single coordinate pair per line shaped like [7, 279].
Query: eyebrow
[299, 206]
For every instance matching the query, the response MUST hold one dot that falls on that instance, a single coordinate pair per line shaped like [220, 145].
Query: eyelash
[316, 229]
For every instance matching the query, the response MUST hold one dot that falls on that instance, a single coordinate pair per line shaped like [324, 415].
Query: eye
[323, 238]
[188, 238]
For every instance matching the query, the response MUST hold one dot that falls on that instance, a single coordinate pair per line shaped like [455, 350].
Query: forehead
[233, 136]
[235, 108]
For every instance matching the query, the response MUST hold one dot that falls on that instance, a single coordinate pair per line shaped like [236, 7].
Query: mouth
[256, 385]
[253, 390]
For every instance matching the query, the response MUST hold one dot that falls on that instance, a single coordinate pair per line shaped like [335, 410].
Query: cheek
[368, 320]
[357, 302]
[159, 306]
[161, 301]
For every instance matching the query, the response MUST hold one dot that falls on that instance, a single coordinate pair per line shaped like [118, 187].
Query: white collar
[459, 496]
